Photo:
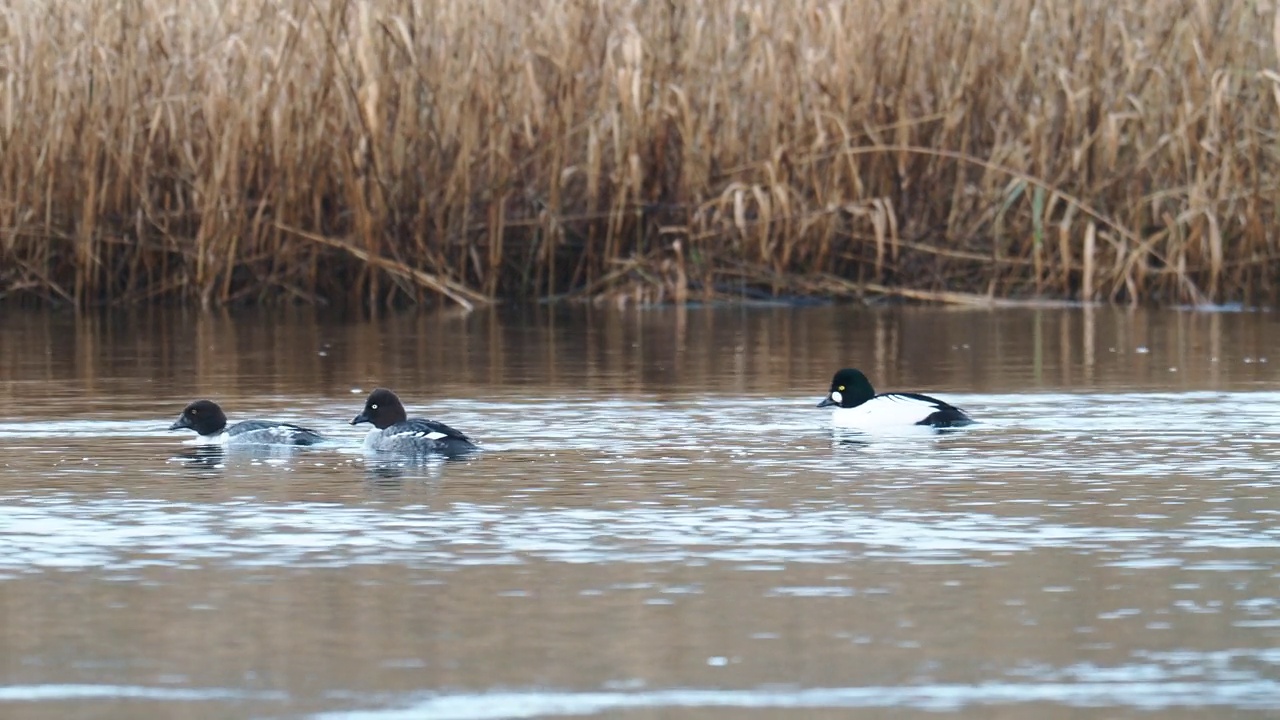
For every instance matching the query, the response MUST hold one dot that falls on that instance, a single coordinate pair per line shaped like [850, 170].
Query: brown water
[662, 525]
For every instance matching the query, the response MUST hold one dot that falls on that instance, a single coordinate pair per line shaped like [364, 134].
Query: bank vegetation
[477, 151]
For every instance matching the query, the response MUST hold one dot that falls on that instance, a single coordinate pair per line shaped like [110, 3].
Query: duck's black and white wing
[423, 429]
[935, 412]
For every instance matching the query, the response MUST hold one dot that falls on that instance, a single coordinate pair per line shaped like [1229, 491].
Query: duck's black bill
[180, 424]
[826, 402]
[361, 418]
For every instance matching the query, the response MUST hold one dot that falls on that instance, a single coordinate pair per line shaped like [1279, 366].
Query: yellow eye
[373, 407]
[195, 411]
[841, 388]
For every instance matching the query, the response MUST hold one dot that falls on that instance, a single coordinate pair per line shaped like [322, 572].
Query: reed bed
[397, 151]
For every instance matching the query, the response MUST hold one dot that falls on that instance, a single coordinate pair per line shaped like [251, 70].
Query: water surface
[662, 524]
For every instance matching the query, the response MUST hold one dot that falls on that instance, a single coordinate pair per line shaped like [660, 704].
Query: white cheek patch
[836, 397]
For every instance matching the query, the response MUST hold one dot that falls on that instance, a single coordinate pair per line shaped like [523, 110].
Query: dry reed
[387, 151]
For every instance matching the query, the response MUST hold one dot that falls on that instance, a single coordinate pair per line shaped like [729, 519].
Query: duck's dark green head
[849, 388]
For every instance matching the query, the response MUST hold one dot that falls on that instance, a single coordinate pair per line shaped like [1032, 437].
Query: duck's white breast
[220, 439]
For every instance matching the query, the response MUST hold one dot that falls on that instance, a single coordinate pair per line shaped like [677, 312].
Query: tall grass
[384, 151]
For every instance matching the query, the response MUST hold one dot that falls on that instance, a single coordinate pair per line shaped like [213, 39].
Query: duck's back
[901, 409]
[269, 432]
[420, 436]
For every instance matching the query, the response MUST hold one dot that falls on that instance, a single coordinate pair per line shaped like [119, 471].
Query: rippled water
[662, 524]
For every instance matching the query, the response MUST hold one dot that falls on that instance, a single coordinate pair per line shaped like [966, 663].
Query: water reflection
[661, 521]
[203, 457]
[494, 356]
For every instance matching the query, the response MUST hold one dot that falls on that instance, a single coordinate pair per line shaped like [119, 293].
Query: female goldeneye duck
[394, 431]
[210, 424]
[858, 406]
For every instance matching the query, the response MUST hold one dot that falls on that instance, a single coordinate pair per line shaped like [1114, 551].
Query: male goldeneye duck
[210, 424]
[858, 406]
[394, 431]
